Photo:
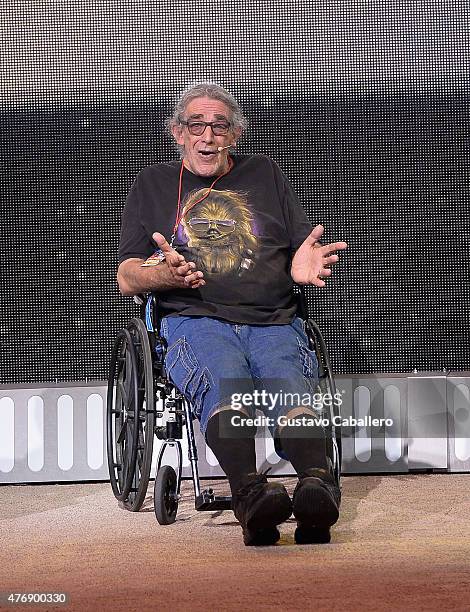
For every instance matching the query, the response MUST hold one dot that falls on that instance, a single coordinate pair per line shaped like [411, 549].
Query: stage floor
[402, 543]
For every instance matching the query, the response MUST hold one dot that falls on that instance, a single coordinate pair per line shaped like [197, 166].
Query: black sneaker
[316, 506]
[260, 506]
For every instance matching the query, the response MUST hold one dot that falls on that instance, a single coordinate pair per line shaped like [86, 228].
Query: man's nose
[208, 134]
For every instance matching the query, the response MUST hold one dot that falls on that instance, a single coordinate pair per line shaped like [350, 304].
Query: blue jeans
[210, 360]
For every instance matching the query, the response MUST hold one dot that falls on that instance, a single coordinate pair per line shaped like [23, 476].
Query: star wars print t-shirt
[241, 236]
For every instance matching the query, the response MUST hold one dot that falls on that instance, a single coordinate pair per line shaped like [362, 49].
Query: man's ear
[236, 133]
[177, 131]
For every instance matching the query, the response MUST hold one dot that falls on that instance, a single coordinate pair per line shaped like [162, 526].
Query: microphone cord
[179, 218]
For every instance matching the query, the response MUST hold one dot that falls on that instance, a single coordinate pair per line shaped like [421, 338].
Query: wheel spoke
[124, 394]
[122, 433]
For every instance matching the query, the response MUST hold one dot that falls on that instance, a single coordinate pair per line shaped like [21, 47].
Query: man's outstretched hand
[182, 272]
[311, 262]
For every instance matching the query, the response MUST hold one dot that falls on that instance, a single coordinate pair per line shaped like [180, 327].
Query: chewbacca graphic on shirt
[219, 232]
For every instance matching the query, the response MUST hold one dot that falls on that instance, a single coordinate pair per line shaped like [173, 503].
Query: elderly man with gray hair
[238, 240]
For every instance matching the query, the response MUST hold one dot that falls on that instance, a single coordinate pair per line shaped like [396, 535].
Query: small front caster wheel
[165, 495]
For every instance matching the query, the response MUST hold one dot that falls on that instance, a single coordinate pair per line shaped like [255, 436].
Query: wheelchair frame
[138, 385]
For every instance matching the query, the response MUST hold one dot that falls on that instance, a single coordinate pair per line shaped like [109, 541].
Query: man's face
[200, 152]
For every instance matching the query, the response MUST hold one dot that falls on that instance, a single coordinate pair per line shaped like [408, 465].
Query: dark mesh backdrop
[365, 106]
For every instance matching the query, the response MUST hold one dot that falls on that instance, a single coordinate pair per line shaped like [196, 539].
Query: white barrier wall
[458, 414]
[57, 433]
[54, 433]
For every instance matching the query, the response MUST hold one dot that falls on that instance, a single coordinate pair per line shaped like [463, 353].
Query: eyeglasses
[224, 226]
[197, 128]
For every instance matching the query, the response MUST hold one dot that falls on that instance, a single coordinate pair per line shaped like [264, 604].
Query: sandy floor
[402, 543]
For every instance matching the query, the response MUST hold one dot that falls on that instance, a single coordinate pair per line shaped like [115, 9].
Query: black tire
[121, 411]
[165, 495]
[326, 385]
[146, 415]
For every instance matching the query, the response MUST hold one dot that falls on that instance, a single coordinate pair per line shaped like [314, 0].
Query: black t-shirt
[242, 236]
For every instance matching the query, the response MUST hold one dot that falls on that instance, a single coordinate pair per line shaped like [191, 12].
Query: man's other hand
[312, 261]
[182, 272]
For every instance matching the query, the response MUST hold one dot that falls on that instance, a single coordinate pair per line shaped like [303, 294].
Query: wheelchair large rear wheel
[327, 387]
[146, 415]
[121, 428]
[131, 415]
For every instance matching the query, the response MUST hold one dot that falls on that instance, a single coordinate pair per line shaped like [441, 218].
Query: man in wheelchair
[239, 241]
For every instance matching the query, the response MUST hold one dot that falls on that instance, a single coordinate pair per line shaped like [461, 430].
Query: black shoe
[260, 506]
[316, 506]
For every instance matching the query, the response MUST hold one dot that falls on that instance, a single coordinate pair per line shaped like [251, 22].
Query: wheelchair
[143, 403]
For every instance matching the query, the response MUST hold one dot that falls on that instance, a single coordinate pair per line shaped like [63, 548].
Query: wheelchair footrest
[208, 501]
